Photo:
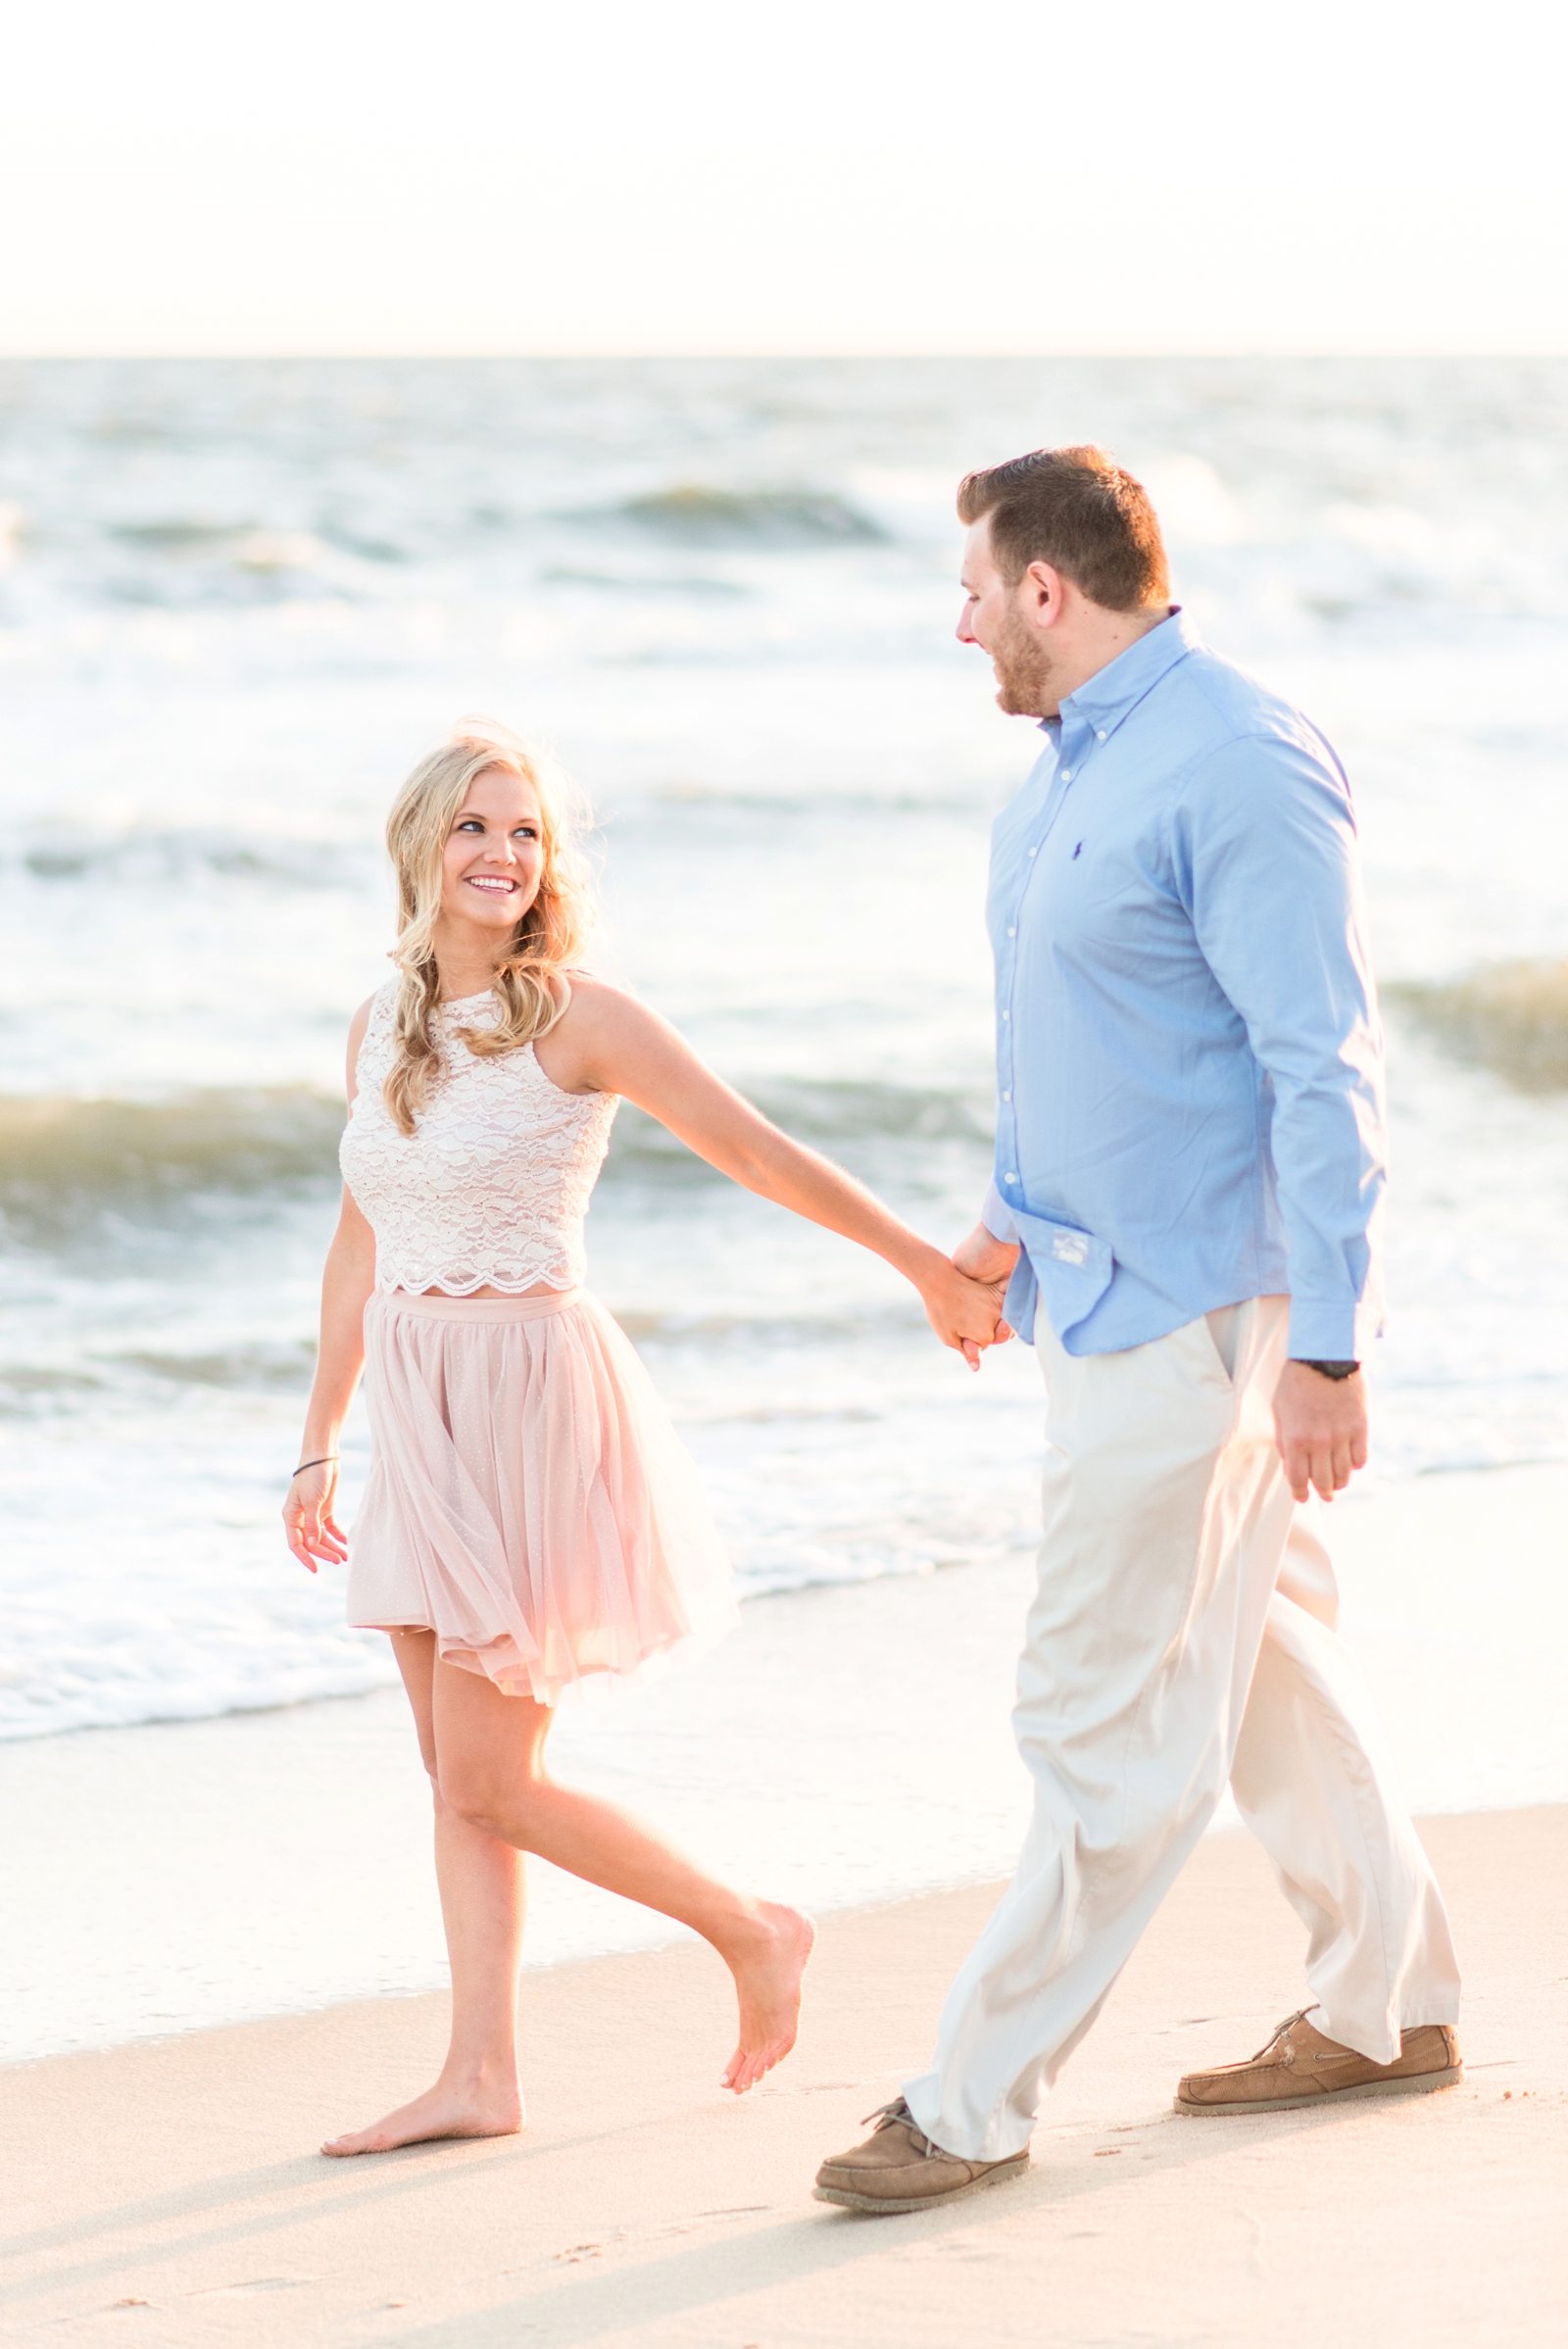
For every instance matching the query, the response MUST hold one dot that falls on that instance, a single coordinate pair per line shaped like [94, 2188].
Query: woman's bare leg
[482, 1894]
[490, 1764]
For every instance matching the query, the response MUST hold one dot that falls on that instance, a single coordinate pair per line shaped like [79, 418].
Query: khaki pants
[1183, 1634]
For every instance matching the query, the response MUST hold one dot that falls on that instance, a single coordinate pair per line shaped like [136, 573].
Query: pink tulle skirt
[528, 1500]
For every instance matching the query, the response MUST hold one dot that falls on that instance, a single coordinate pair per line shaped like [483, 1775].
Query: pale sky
[829, 176]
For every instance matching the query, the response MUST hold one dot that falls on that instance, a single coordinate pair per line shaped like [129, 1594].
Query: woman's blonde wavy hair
[550, 937]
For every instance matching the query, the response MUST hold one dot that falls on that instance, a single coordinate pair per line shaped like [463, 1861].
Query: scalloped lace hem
[464, 1283]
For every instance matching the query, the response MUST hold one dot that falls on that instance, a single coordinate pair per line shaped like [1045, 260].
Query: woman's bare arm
[610, 1042]
[309, 1521]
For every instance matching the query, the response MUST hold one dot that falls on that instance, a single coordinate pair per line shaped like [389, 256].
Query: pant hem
[1374, 2044]
[964, 2153]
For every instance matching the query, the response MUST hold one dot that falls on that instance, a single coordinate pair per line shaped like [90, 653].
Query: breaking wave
[145, 855]
[692, 516]
[1510, 1016]
[65, 1161]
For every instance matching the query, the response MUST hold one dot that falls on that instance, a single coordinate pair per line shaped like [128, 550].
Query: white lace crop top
[491, 1188]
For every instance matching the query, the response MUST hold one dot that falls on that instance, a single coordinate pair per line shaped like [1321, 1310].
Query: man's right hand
[1320, 1428]
[990, 1261]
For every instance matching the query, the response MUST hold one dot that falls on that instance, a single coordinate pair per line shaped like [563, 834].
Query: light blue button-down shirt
[1189, 1059]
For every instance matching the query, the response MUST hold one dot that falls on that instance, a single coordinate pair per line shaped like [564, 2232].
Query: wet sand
[168, 2192]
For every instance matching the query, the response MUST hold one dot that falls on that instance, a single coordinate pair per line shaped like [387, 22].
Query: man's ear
[1045, 592]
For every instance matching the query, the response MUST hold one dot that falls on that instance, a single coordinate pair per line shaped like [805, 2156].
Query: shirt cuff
[1333, 1332]
[997, 1216]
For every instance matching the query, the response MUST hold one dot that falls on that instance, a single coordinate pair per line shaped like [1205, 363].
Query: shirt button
[1007, 1096]
[1067, 774]
[1012, 933]
[1034, 852]
[1007, 1015]
[1101, 736]
[1012, 1177]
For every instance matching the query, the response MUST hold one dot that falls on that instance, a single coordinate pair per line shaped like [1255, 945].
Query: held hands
[308, 1524]
[988, 1260]
[1320, 1428]
[964, 1298]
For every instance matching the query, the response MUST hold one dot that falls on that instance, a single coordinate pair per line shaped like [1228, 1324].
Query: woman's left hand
[965, 1314]
[310, 1526]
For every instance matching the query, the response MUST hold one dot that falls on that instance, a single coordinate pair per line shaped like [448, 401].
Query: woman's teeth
[492, 888]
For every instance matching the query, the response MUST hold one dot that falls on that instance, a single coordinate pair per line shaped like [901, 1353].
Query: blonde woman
[530, 1516]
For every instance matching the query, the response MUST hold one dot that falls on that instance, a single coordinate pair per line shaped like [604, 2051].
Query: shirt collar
[1103, 699]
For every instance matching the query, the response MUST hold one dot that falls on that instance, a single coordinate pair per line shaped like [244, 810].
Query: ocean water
[239, 598]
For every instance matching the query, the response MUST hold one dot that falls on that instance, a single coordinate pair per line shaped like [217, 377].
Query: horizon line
[295, 352]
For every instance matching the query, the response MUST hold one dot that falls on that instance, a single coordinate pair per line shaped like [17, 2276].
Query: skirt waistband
[478, 1308]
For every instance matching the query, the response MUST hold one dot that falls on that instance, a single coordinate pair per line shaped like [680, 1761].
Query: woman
[530, 1516]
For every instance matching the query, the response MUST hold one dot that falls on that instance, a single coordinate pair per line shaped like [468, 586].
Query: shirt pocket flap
[1071, 1267]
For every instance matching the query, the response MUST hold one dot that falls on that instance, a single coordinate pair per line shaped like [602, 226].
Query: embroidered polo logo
[1070, 1248]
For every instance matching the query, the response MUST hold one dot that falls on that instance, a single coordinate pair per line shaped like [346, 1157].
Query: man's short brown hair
[1075, 510]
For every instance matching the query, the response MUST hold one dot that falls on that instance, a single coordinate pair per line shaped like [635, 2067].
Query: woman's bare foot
[768, 1984]
[450, 2109]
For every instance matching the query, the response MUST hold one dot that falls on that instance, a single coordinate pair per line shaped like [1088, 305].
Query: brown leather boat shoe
[1299, 2066]
[899, 2169]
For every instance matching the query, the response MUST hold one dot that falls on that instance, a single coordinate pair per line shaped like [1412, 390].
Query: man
[1190, 1165]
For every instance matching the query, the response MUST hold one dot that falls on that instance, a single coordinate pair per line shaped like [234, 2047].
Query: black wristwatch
[1329, 1370]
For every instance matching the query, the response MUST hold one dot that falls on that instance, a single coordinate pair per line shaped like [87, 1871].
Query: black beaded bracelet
[1329, 1370]
[325, 1460]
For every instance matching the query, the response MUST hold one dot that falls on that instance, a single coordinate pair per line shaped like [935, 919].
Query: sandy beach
[168, 2192]
[236, 1964]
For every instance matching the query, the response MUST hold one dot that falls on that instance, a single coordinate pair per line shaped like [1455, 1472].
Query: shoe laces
[1280, 2029]
[888, 2116]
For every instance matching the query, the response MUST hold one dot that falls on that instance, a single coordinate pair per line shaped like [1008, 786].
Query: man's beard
[1024, 669]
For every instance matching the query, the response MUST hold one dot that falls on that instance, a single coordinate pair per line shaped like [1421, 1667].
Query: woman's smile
[495, 852]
